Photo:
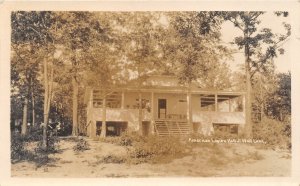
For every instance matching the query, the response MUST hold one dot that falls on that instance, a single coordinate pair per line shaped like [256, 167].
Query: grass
[255, 156]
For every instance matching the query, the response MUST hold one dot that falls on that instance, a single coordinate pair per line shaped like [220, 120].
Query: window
[207, 102]
[113, 100]
[225, 103]
[230, 103]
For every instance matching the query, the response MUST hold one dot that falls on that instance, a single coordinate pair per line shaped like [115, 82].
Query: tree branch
[276, 46]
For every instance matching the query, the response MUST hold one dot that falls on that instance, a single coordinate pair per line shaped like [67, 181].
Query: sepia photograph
[147, 94]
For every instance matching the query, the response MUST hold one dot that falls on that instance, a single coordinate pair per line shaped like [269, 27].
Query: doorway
[162, 108]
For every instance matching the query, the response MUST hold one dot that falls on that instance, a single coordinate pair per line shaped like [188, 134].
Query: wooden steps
[171, 127]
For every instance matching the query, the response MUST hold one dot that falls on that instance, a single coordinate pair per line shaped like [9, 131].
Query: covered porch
[168, 111]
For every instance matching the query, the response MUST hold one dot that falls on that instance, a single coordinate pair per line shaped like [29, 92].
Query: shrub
[155, 149]
[18, 151]
[81, 146]
[128, 138]
[39, 155]
[274, 132]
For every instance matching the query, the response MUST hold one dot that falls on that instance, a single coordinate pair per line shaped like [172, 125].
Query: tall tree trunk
[103, 129]
[75, 107]
[33, 108]
[248, 125]
[44, 142]
[24, 121]
[140, 114]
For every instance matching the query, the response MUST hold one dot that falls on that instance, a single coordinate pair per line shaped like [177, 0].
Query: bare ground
[229, 160]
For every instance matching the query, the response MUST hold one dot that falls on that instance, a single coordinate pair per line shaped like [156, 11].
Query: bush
[81, 146]
[275, 133]
[18, 151]
[128, 138]
[156, 149]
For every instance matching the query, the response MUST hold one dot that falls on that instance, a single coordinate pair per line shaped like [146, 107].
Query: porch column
[152, 113]
[189, 110]
[123, 100]
[216, 102]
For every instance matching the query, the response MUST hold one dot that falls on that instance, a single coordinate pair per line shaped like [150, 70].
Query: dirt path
[237, 161]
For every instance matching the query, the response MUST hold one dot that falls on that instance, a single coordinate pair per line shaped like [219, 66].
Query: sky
[268, 20]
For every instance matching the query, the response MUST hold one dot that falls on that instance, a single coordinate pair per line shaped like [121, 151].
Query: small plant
[81, 146]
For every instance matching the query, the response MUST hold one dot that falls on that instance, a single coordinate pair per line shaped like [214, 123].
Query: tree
[140, 46]
[29, 33]
[260, 47]
[73, 31]
[31, 29]
[278, 104]
[195, 51]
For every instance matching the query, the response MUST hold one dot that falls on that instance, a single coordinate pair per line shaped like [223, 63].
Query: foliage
[126, 139]
[81, 146]
[277, 134]
[198, 51]
[129, 138]
[279, 102]
[17, 148]
[156, 149]
[38, 155]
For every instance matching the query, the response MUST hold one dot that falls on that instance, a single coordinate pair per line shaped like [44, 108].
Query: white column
[216, 102]
[188, 113]
[152, 113]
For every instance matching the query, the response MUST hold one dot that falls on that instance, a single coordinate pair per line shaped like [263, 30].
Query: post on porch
[189, 110]
[152, 113]
[216, 102]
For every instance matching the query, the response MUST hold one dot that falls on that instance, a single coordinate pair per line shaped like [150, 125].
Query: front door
[162, 108]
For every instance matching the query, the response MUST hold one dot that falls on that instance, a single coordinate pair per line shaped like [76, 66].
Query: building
[167, 109]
